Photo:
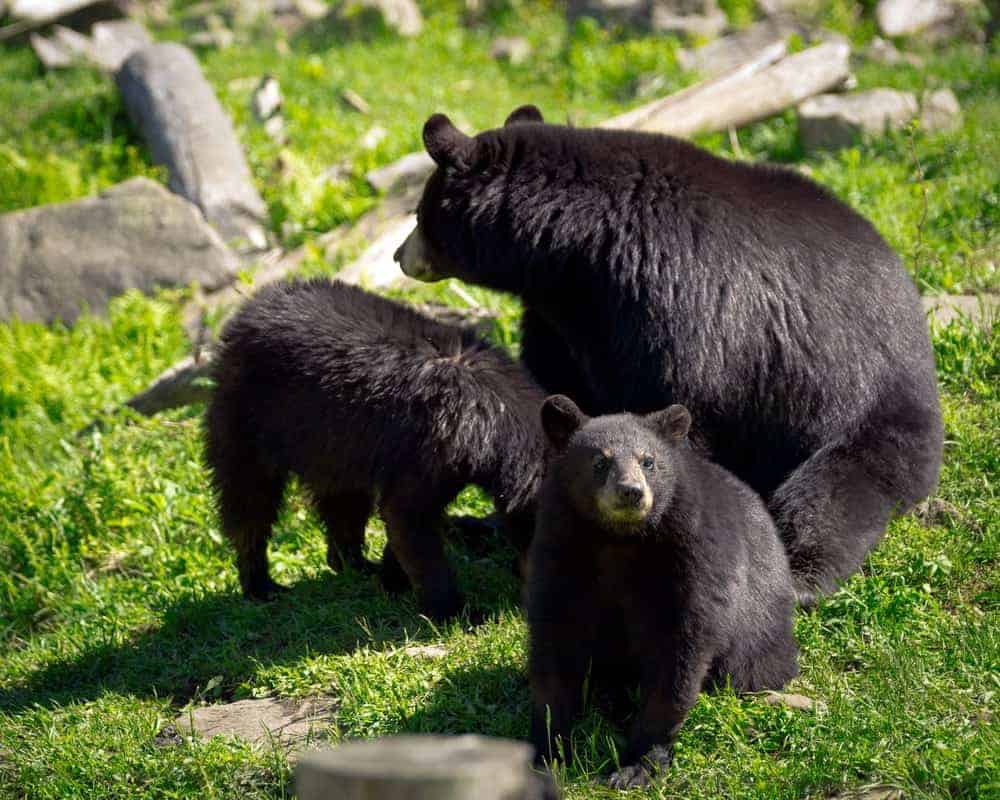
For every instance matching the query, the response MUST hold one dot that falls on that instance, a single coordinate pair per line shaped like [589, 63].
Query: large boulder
[57, 259]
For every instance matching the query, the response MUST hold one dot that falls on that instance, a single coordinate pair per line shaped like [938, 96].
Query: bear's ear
[528, 113]
[561, 418]
[673, 422]
[446, 144]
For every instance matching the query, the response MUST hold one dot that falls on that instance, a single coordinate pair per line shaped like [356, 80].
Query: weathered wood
[184, 383]
[187, 130]
[418, 768]
[31, 16]
[744, 95]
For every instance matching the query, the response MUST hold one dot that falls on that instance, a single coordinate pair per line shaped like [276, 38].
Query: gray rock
[702, 18]
[411, 168]
[187, 130]
[830, 121]
[906, 17]
[51, 53]
[695, 19]
[260, 721]
[885, 52]
[737, 48]
[56, 259]
[515, 49]
[939, 111]
[981, 309]
[114, 41]
[403, 16]
[266, 99]
[109, 44]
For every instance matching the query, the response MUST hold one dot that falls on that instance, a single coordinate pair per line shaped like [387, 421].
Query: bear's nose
[630, 493]
[398, 255]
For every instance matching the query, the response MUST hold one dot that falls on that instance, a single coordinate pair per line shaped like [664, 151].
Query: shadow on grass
[201, 638]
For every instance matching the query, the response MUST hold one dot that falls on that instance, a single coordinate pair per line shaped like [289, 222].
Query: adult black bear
[364, 398]
[649, 565]
[653, 273]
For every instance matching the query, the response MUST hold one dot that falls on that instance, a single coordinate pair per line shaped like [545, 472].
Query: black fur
[697, 592]
[654, 272]
[365, 399]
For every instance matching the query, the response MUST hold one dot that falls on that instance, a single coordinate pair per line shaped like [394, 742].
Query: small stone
[373, 137]
[275, 129]
[705, 25]
[514, 49]
[830, 121]
[356, 101]
[799, 702]
[880, 792]
[403, 16]
[266, 100]
[885, 52]
[216, 34]
[50, 53]
[260, 721]
[168, 737]
[906, 17]
[935, 511]
[430, 651]
[939, 111]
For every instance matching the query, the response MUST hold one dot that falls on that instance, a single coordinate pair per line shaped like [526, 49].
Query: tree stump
[429, 767]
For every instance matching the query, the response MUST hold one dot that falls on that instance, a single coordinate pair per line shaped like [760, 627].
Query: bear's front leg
[669, 689]
[562, 617]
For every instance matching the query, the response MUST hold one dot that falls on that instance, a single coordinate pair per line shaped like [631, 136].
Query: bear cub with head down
[649, 566]
[366, 400]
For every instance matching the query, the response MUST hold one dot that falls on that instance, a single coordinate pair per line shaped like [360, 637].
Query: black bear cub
[649, 566]
[366, 401]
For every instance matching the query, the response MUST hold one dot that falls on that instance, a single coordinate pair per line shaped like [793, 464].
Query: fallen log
[187, 130]
[751, 92]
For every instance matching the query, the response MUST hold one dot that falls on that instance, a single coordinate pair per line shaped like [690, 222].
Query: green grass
[118, 598]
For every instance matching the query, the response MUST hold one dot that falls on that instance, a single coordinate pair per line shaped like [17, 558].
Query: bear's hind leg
[411, 525]
[345, 516]
[835, 506]
[248, 511]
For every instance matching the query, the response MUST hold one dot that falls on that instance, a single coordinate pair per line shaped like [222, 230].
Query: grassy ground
[118, 601]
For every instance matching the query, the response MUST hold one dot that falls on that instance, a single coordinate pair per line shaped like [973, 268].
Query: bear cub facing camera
[368, 402]
[650, 566]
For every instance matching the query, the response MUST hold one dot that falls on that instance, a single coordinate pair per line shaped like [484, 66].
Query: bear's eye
[601, 463]
[647, 462]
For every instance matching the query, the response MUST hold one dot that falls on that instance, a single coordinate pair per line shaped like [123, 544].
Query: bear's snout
[630, 494]
[412, 258]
